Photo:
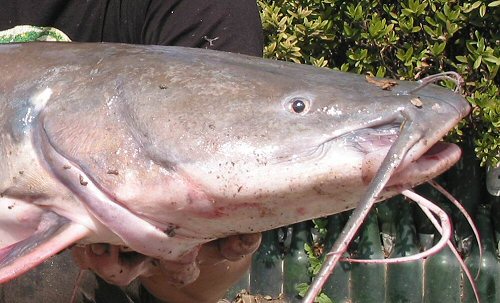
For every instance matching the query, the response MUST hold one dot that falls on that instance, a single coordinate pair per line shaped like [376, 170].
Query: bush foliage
[407, 40]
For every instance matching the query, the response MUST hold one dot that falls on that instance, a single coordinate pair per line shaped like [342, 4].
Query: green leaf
[348, 30]
[322, 298]
[302, 289]
[462, 59]
[492, 59]
[381, 70]
[477, 62]
[438, 48]
[408, 54]
[482, 10]
[476, 4]
[430, 21]
[431, 32]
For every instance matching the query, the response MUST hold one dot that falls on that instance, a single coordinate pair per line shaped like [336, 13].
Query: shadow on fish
[162, 149]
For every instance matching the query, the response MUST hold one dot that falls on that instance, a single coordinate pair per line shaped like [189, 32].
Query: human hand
[219, 265]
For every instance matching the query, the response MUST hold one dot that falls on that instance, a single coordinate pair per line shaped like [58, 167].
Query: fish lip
[435, 160]
[375, 143]
[414, 170]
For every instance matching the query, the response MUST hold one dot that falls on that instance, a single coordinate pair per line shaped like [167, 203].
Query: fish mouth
[425, 160]
[435, 161]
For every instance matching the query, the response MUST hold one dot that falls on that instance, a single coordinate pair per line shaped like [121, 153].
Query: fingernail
[99, 248]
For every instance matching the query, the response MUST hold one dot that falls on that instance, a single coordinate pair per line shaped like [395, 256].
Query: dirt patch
[245, 297]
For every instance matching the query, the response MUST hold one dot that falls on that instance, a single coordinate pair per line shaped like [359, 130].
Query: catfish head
[162, 149]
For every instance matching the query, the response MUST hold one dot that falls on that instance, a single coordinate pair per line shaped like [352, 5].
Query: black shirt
[229, 25]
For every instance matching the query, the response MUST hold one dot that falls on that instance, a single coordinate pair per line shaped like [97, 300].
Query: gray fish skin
[161, 149]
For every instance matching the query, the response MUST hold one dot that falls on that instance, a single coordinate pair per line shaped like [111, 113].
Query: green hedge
[400, 39]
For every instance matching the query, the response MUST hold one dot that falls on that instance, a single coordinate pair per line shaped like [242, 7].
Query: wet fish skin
[162, 149]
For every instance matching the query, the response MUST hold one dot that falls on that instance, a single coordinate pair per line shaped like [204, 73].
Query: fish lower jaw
[412, 172]
[431, 164]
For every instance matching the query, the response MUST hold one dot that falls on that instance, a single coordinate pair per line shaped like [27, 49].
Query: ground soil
[244, 297]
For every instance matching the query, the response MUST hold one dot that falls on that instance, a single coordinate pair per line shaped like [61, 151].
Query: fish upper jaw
[422, 122]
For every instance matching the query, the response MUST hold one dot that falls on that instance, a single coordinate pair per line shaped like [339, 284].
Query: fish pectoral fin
[54, 234]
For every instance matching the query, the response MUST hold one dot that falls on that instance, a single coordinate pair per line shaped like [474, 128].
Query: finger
[236, 247]
[111, 265]
[99, 248]
[179, 274]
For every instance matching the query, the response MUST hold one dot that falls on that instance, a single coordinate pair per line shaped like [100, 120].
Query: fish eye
[299, 105]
